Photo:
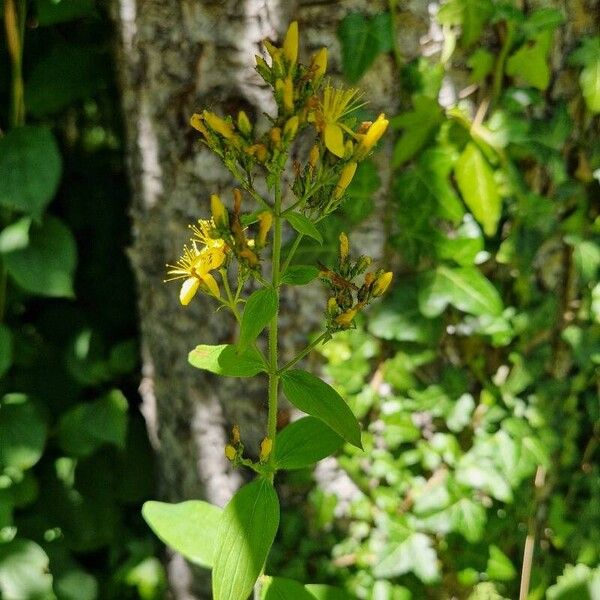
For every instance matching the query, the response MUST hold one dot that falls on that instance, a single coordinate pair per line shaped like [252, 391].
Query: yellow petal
[211, 284]
[290, 43]
[334, 139]
[188, 290]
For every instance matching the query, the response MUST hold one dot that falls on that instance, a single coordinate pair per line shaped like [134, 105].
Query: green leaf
[50, 12]
[362, 39]
[30, 169]
[22, 433]
[589, 80]
[326, 592]
[475, 180]
[260, 308]
[299, 274]
[499, 567]
[530, 61]
[468, 518]
[315, 397]
[280, 588]
[302, 224]
[47, 265]
[64, 75]
[481, 63]
[577, 582]
[418, 126]
[246, 532]
[471, 15]
[6, 349]
[89, 425]
[415, 553]
[304, 442]
[226, 360]
[24, 572]
[464, 288]
[15, 236]
[189, 527]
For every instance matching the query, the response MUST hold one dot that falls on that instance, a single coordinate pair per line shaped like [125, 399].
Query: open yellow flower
[194, 265]
[334, 107]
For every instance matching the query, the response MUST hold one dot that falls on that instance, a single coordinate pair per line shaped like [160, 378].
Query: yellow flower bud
[348, 149]
[332, 306]
[216, 123]
[265, 223]
[288, 94]
[345, 178]
[290, 43]
[275, 135]
[230, 452]
[259, 151]
[318, 64]
[243, 123]
[265, 449]
[346, 318]
[382, 283]
[196, 123]
[373, 135]
[313, 156]
[344, 247]
[235, 435]
[290, 128]
[188, 290]
[219, 212]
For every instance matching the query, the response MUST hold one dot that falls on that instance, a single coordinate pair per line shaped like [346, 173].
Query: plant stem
[500, 62]
[291, 253]
[232, 302]
[324, 336]
[273, 327]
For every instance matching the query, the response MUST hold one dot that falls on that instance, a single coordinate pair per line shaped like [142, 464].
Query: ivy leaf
[22, 433]
[464, 288]
[89, 425]
[302, 224]
[260, 308]
[499, 566]
[6, 349]
[418, 127]
[299, 274]
[189, 527]
[227, 360]
[46, 266]
[468, 518]
[415, 553]
[24, 572]
[30, 169]
[475, 180]
[304, 442]
[530, 62]
[245, 535]
[317, 398]
[588, 57]
[362, 39]
[470, 15]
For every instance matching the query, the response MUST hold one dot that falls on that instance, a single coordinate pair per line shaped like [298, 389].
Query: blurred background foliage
[476, 380]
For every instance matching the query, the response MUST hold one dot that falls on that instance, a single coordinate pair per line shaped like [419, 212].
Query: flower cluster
[347, 299]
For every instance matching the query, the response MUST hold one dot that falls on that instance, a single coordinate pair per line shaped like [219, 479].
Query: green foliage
[246, 532]
[315, 397]
[227, 360]
[189, 527]
[363, 39]
[588, 57]
[30, 169]
[260, 308]
[303, 443]
[304, 225]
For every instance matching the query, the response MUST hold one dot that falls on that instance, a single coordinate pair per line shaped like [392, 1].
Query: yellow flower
[346, 318]
[197, 123]
[344, 247]
[203, 233]
[218, 125]
[265, 449]
[318, 64]
[334, 107]
[290, 43]
[373, 135]
[265, 223]
[219, 212]
[230, 452]
[290, 129]
[382, 283]
[345, 178]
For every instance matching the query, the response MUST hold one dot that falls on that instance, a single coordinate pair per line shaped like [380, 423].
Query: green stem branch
[323, 337]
